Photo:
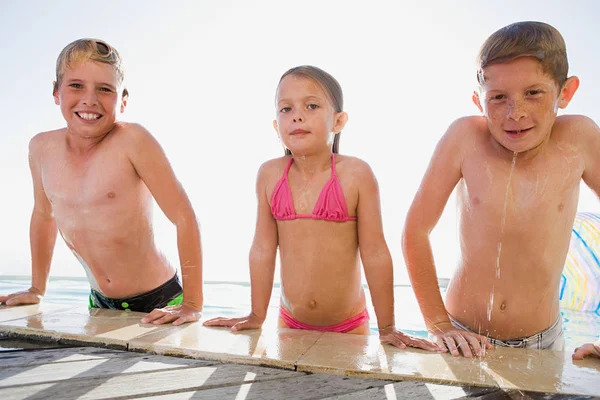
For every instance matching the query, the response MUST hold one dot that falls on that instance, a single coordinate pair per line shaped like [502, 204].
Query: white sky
[202, 77]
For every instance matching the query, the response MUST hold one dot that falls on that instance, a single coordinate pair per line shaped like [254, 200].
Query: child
[517, 169]
[94, 182]
[588, 349]
[317, 207]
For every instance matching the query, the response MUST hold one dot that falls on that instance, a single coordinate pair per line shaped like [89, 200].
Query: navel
[476, 200]
[503, 306]
[561, 207]
[111, 195]
[312, 304]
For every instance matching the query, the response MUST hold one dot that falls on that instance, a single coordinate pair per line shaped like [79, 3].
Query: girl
[319, 208]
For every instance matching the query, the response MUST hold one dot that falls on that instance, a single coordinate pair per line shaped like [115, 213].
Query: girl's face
[305, 121]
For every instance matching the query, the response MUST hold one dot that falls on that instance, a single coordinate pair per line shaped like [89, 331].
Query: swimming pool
[232, 299]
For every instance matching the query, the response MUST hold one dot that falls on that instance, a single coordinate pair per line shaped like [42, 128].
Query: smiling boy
[517, 170]
[94, 182]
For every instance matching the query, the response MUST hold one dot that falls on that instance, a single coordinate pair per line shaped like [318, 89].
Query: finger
[154, 315]
[213, 321]
[23, 299]
[440, 344]
[228, 322]
[246, 324]
[394, 340]
[475, 345]
[183, 319]
[451, 346]
[423, 344]
[579, 353]
[486, 341]
[463, 345]
[241, 326]
[165, 319]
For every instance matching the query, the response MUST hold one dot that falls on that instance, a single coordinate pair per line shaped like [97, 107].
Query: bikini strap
[333, 164]
[287, 167]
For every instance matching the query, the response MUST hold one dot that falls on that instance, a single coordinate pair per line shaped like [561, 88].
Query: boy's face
[305, 116]
[89, 98]
[520, 102]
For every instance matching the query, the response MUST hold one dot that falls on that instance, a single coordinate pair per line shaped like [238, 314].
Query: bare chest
[526, 189]
[85, 183]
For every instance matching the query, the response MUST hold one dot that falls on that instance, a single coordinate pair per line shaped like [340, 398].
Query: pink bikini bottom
[342, 327]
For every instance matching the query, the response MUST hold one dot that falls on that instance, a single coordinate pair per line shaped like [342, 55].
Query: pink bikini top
[331, 205]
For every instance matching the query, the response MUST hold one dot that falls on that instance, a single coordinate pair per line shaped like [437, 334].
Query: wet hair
[89, 50]
[331, 87]
[528, 38]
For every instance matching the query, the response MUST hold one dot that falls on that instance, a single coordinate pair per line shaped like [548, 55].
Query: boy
[518, 169]
[94, 182]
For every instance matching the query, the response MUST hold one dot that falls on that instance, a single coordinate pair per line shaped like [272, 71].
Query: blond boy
[94, 182]
[517, 170]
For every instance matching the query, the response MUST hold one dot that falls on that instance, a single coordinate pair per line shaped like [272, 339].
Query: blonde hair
[89, 50]
[528, 38]
[331, 87]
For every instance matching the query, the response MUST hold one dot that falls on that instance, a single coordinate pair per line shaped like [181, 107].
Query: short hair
[88, 50]
[330, 86]
[528, 38]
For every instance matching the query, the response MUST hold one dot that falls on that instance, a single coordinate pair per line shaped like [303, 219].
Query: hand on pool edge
[447, 336]
[178, 314]
[237, 324]
[588, 349]
[402, 340]
[29, 296]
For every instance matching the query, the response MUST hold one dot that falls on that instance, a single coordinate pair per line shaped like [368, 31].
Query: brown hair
[528, 38]
[331, 87]
[89, 50]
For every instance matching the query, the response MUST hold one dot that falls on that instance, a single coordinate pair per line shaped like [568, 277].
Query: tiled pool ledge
[331, 353]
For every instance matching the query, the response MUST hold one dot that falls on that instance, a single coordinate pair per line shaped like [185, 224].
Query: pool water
[232, 299]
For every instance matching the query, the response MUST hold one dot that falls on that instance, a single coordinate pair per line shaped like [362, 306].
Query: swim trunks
[168, 294]
[552, 338]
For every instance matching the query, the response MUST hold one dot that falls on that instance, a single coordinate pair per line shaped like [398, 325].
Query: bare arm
[591, 177]
[591, 149]
[152, 165]
[441, 177]
[262, 262]
[42, 236]
[377, 262]
[263, 251]
[374, 252]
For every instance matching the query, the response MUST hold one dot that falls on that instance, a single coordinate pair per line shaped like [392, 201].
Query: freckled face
[305, 117]
[89, 99]
[520, 103]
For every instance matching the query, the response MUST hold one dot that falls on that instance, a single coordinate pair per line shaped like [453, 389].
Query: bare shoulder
[44, 140]
[270, 171]
[354, 166]
[466, 129]
[130, 132]
[575, 128]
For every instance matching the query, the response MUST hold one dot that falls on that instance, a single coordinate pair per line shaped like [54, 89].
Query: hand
[588, 349]
[181, 314]
[29, 296]
[237, 324]
[399, 339]
[446, 336]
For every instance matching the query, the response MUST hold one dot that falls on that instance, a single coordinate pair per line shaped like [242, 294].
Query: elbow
[186, 220]
[412, 235]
